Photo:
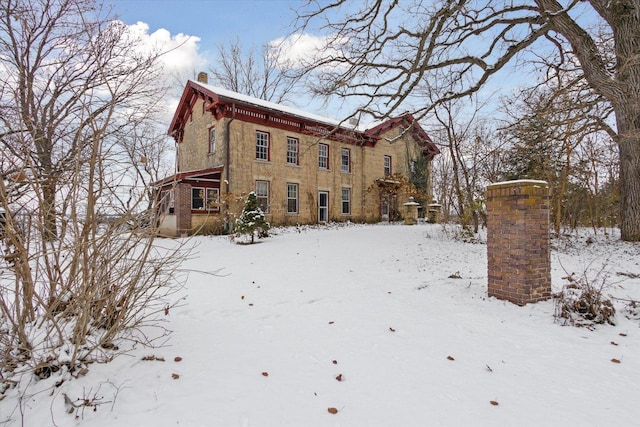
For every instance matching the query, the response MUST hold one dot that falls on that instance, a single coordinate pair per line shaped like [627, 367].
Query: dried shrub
[582, 302]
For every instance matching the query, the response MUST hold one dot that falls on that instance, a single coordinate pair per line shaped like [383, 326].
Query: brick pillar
[519, 263]
[182, 205]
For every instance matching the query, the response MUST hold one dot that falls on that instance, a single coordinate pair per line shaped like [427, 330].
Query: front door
[323, 206]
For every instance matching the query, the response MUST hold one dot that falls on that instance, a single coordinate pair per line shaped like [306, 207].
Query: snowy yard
[374, 322]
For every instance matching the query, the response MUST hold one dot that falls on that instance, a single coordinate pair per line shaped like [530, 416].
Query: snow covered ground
[372, 321]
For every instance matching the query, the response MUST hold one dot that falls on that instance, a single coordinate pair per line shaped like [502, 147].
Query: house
[304, 168]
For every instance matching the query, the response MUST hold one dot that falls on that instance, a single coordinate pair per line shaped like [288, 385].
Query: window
[262, 194]
[387, 165]
[345, 160]
[292, 198]
[292, 151]
[213, 199]
[166, 202]
[346, 201]
[198, 195]
[323, 156]
[262, 145]
[197, 198]
[212, 140]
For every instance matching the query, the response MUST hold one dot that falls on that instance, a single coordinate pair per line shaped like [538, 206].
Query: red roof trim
[428, 147]
[225, 106]
[208, 174]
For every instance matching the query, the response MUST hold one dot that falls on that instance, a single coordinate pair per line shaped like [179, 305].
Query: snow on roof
[245, 99]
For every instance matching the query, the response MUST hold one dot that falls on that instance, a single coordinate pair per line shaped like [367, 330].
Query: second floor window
[292, 151]
[262, 194]
[323, 156]
[387, 165]
[212, 140]
[262, 145]
[345, 163]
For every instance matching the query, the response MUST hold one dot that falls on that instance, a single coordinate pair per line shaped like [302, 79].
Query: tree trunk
[48, 216]
[629, 145]
[626, 21]
[627, 48]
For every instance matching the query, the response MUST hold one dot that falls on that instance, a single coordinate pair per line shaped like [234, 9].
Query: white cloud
[181, 57]
[181, 60]
[299, 50]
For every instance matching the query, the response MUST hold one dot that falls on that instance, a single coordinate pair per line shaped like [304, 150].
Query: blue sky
[191, 30]
[254, 22]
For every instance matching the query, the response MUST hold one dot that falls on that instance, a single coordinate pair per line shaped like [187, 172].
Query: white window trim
[267, 138]
[216, 199]
[268, 208]
[390, 165]
[297, 150]
[325, 157]
[342, 200]
[348, 165]
[297, 198]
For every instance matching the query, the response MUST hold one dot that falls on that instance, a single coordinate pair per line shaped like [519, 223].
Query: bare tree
[76, 143]
[389, 53]
[550, 125]
[467, 142]
[260, 75]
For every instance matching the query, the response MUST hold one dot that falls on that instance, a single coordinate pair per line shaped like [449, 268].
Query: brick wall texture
[182, 194]
[519, 264]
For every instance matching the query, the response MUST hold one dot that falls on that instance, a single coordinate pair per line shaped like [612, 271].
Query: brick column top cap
[520, 183]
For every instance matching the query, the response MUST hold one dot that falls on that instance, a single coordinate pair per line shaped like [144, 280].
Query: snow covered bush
[252, 219]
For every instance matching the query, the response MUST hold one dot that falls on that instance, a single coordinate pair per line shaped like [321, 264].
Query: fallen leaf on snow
[392, 330]
[332, 410]
[339, 377]
[450, 358]
[265, 374]
[615, 360]
[175, 376]
[494, 403]
[177, 359]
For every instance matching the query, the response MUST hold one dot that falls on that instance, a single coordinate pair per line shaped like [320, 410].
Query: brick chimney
[203, 77]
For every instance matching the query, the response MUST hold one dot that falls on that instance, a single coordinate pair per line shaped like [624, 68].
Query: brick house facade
[303, 168]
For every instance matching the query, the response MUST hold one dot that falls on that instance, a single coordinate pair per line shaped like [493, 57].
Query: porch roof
[201, 175]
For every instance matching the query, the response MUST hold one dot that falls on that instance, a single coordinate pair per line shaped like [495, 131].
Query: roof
[229, 95]
[209, 174]
[227, 103]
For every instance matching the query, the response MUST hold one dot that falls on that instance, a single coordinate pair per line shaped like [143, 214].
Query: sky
[212, 21]
[193, 29]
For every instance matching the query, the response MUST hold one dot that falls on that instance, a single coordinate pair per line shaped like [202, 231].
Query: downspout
[228, 226]
[228, 146]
